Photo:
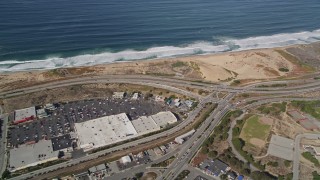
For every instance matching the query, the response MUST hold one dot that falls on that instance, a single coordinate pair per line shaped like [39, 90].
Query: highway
[194, 143]
[170, 84]
[160, 82]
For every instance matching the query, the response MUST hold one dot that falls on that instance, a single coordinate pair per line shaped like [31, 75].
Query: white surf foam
[226, 44]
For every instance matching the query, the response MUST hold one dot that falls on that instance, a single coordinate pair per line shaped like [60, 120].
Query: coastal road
[297, 153]
[158, 82]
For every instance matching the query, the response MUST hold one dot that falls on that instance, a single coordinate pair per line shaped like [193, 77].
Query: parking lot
[61, 121]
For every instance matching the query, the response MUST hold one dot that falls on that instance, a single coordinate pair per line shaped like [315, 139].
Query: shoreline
[105, 58]
[225, 67]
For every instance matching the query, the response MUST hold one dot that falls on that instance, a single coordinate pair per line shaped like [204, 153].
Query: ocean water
[46, 34]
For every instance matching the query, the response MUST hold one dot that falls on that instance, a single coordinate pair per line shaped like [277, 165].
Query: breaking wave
[225, 44]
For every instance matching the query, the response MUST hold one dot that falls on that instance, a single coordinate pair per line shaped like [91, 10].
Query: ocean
[46, 34]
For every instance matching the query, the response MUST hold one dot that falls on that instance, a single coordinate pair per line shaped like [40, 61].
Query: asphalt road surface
[194, 142]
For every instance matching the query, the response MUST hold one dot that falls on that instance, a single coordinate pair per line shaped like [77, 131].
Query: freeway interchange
[193, 144]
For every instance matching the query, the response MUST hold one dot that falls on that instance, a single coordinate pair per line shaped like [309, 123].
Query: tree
[257, 175]
[204, 150]
[223, 177]
[6, 174]
[213, 154]
[236, 131]
[139, 175]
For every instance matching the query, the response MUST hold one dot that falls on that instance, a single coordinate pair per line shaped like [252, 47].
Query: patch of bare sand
[265, 120]
[257, 142]
[253, 64]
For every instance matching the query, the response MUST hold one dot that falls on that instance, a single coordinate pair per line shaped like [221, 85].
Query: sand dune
[251, 65]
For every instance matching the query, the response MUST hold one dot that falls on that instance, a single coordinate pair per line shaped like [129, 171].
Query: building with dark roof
[214, 167]
[232, 175]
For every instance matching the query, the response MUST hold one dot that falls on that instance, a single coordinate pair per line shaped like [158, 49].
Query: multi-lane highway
[274, 94]
[194, 143]
[161, 82]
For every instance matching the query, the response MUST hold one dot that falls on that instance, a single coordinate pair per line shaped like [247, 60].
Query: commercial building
[41, 113]
[177, 102]
[30, 155]
[162, 119]
[214, 167]
[135, 96]
[181, 139]
[23, 115]
[104, 131]
[189, 103]
[125, 159]
[144, 125]
[115, 128]
[118, 95]
[100, 167]
[159, 99]
[50, 107]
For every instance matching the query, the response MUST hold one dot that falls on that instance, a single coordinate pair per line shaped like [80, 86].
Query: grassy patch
[158, 74]
[272, 85]
[273, 164]
[220, 132]
[287, 163]
[183, 175]
[164, 163]
[294, 60]
[284, 69]
[235, 82]
[309, 107]
[273, 109]
[179, 64]
[315, 175]
[254, 129]
[239, 143]
[311, 158]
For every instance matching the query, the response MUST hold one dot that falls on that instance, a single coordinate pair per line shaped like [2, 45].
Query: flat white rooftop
[104, 131]
[31, 155]
[164, 118]
[144, 125]
[181, 137]
[24, 113]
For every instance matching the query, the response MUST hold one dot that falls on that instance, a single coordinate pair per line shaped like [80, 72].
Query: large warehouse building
[112, 129]
[164, 118]
[145, 124]
[31, 155]
[23, 115]
[104, 131]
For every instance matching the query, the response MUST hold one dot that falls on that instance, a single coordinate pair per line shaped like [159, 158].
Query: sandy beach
[250, 65]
